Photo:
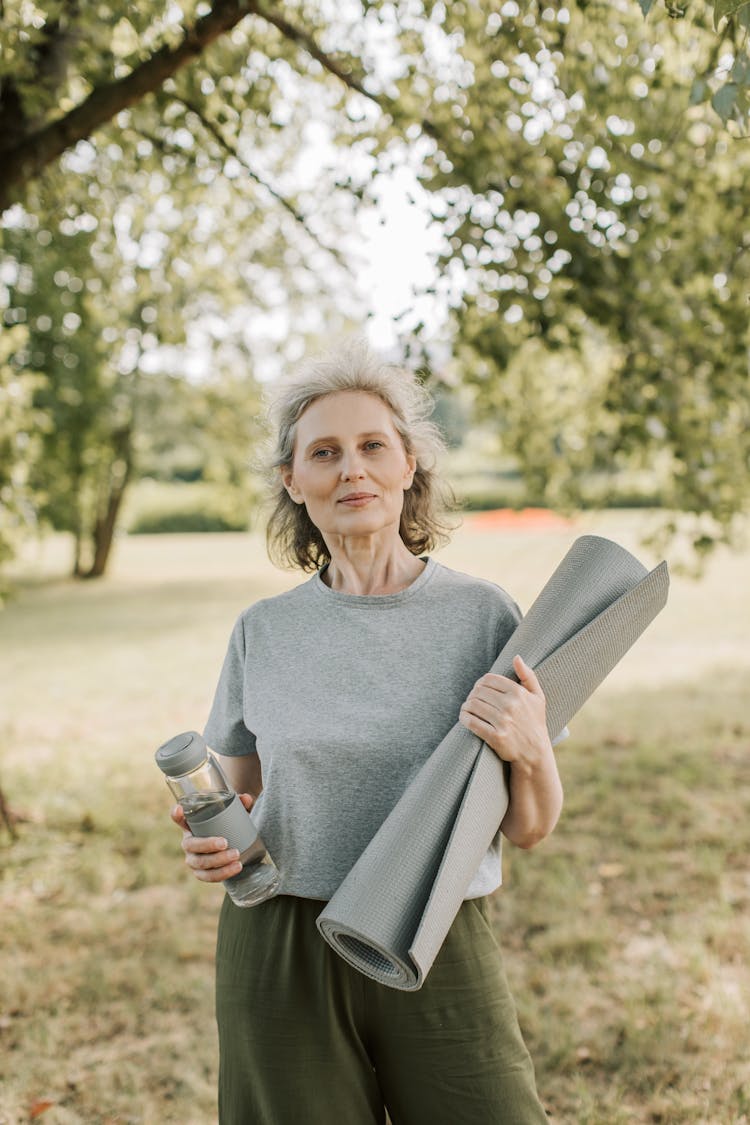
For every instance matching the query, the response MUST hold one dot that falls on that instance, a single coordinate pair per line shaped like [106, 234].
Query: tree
[96, 64]
[93, 67]
[583, 197]
[586, 204]
[136, 280]
[19, 435]
[170, 247]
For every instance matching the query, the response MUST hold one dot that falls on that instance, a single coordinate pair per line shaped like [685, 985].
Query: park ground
[626, 934]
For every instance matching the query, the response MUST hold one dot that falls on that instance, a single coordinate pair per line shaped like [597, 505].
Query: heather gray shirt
[344, 697]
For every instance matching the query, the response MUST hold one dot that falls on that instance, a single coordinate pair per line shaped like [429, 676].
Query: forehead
[344, 412]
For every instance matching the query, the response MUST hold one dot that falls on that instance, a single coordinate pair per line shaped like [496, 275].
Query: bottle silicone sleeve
[233, 823]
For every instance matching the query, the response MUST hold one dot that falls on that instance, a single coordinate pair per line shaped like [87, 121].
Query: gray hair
[292, 538]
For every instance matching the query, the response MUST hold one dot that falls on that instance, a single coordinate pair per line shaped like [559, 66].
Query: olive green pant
[306, 1040]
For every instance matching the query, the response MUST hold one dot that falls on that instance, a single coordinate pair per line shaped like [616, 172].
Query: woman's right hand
[208, 857]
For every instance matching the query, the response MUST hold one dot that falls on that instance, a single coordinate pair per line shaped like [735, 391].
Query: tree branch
[213, 129]
[305, 40]
[49, 55]
[26, 159]
[38, 149]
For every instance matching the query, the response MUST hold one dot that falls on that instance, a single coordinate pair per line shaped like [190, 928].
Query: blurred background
[543, 210]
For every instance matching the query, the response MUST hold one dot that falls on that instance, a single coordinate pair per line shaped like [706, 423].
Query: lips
[357, 499]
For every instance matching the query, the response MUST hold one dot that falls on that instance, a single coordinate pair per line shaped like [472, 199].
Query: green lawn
[627, 933]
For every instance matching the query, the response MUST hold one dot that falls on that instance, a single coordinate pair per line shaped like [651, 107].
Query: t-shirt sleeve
[225, 729]
[508, 616]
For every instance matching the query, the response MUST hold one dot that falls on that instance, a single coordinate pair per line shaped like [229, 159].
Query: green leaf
[698, 91]
[741, 70]
[727, 8]
[724, 99]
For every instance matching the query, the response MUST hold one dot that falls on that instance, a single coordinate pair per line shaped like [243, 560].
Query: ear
[411, 468]
[287, 479]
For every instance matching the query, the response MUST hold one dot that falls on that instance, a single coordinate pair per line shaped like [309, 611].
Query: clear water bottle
[212, 808]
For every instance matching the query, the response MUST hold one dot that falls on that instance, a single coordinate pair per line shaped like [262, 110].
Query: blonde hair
[292, 538]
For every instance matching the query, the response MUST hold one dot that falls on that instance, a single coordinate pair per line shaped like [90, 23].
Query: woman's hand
[208, 857]
[510, 717]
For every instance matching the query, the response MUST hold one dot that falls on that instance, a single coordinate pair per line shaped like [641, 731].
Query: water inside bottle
[202, 806]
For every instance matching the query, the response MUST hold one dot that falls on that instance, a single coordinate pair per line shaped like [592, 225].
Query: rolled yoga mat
[390, 915]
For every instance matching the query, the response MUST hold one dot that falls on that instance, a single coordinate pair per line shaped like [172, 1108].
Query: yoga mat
[390, 915]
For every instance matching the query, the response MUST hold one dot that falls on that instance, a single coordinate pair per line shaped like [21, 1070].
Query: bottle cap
[182, 753]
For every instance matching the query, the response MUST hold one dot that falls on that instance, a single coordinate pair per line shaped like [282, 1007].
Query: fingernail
[222, 842]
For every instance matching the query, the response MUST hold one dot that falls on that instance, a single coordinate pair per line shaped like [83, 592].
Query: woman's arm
[243, 772]
[510, 718]
[536, 799]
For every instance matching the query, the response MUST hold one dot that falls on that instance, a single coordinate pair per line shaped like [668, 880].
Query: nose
[351, 466]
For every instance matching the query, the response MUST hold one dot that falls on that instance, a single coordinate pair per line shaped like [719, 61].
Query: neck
[366, 567]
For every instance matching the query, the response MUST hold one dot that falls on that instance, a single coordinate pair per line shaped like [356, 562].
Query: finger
[481, 709]
[499, 698]
[497, 683]
[215, 861]
[490, 721]
[484, 730]
[217, 874]
[178, 817]
[471, 722]
[203, 845]
[527, 676]
[247, 799]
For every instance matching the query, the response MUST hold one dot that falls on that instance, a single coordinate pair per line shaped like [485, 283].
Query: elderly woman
[330, 699]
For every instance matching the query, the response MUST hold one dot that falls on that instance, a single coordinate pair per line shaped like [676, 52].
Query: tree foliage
[589, 208]
[19, 436]
[154, 249]
[586, 166]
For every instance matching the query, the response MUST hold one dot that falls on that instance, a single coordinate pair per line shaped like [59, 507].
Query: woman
[331, 697]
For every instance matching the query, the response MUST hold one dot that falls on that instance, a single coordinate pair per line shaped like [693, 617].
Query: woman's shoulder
[277, 605]
[480, 592]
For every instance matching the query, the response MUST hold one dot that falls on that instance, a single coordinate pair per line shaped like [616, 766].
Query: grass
[626, 934]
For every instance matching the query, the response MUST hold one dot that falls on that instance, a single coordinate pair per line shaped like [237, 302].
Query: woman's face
[349, 468]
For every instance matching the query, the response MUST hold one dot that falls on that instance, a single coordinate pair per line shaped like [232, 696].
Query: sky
[397, 240]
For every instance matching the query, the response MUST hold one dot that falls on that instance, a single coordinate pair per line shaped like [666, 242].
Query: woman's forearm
[243, 772]
[536, 798]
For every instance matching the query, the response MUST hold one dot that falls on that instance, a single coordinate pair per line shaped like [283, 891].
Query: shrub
[159, 508]
[186, 519]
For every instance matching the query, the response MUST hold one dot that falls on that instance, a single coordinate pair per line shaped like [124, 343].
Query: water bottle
[212, 808]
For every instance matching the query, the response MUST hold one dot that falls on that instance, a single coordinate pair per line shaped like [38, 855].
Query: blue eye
[319, 454]
[377, 444]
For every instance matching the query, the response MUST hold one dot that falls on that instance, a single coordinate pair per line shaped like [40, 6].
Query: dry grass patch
[626, 934]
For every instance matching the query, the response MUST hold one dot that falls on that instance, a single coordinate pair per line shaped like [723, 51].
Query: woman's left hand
[510, 717]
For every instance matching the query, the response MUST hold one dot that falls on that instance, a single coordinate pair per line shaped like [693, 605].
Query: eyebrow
[333, 438]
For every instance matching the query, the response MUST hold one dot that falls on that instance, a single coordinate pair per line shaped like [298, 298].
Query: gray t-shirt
[344, 697]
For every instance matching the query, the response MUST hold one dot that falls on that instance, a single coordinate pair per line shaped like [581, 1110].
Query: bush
[156, 507]
[478, 492]
[196, 519]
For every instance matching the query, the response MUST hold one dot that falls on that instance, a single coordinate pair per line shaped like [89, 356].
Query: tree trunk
[7, 816]
[103, 532]
[77, 550]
